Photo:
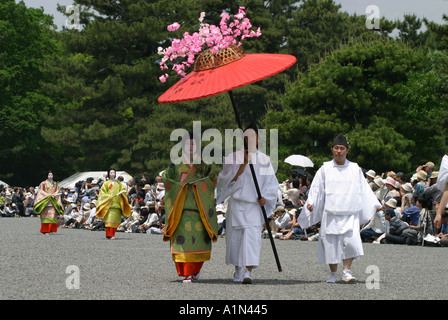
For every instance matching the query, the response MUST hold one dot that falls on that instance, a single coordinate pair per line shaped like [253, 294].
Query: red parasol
[226, 70]
[238, 70]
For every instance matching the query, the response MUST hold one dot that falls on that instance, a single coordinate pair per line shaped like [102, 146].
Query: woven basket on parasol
[207, 60]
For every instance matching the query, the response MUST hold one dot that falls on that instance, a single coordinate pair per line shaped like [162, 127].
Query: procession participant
[48, 204]
[442, 185]
[341, 200]
[191, 224]
[244, 220]
[112, 203]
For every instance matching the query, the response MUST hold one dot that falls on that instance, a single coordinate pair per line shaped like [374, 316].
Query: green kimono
[191, 221]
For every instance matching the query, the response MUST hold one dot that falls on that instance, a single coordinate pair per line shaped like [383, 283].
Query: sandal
[188, 279]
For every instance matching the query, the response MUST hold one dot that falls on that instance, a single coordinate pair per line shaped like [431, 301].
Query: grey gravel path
[139, 267]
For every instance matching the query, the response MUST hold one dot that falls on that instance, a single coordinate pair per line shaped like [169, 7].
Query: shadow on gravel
[272, 282]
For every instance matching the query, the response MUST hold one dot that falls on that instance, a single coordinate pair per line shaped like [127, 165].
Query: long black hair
[108, 171]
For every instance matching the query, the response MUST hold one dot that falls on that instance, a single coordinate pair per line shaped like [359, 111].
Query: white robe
[442, 179]
[342, 201]
[244, 219]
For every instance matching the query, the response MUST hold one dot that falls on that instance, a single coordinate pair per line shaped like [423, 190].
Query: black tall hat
[340, 140]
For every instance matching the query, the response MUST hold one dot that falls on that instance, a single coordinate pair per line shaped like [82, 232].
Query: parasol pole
[251, 166]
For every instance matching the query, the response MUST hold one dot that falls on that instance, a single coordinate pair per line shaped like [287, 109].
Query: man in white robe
[244, 218]
[442, 185]
[341, 199]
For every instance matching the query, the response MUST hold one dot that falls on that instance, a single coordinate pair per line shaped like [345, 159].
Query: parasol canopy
[250, 68]
[299, 160]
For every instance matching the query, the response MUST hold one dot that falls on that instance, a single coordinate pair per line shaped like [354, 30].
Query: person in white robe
[244, 218]
[341, 199]
[442, 185]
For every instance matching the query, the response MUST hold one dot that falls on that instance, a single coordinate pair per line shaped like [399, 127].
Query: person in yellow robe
[112, 204]
[48, 204]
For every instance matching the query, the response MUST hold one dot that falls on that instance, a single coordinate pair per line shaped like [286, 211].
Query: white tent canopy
[4, 183]
[97, 175]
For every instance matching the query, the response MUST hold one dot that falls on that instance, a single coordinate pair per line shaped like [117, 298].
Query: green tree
[105, 85]
[366, 87]
[26, 41]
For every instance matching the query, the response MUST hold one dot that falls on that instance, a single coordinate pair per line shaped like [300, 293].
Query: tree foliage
[26, 41]
[380, 93]
[79, 100]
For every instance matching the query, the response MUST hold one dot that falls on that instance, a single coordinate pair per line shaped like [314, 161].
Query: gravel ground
[139, 267]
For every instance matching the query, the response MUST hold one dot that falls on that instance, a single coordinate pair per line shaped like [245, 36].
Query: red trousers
[185, 269]
[110, 232]
[48, 227]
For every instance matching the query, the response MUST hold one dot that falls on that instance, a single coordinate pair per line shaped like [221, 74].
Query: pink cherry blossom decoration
[209, 37]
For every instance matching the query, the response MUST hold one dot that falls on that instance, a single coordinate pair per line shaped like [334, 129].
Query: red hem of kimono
[185, 269]
[110, 232]
[48, 227]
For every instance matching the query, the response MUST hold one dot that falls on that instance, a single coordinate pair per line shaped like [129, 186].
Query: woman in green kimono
[112, 204]
[191, 223]
[48, 204]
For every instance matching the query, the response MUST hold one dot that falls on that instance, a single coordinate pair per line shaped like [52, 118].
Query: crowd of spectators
[408, 203]
[145, 195]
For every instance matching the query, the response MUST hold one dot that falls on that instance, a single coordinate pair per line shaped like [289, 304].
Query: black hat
[390, 212]
[340, 140]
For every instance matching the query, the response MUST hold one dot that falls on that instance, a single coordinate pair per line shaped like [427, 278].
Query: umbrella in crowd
[223, 71]
[300, 161]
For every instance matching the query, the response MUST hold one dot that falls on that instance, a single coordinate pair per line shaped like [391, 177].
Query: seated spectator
[152, 220]
[160, 192]
[92, 215]
[280, 219]
[68, 210]
[2, 210]
[421, 184]
[406, 196]
[77, 218]
[311, 233]
[412, 214]
[293, 194]
[98, 225]
[391, 189]
[370, 176]
[295, 231]
[432, 192]
[125, 226]
[374, 228]
[380, 190]
[8, 198]
[309, 181]
[390, 204]
[29, 202]
[443, 234]
[149, 194]
[396, 228]
[12, 210]
[427, 168]
[142, 217]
